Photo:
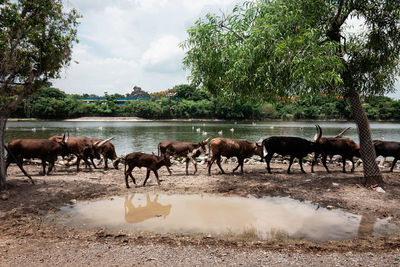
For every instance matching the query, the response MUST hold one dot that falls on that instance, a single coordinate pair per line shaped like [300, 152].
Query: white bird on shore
[43, 128]
[100, 128]
[232, 130]
[192, 127]
[77, 128]
[33, 129]
[198, 130]
[254, 123]
[220, 132]
[204, 133]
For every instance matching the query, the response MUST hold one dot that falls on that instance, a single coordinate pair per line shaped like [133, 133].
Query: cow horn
[318, 133]
[66, 138]
[340, 135]
[101, 143]
[206, 141]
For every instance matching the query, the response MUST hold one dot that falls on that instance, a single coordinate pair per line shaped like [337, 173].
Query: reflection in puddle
[266, 218]
[150, 210]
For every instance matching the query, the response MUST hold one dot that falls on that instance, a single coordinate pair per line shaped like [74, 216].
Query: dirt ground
[26, 237]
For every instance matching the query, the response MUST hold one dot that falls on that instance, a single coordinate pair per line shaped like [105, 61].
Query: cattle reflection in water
[139, 214]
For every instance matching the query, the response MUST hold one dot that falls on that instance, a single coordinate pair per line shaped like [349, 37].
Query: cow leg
[290, 163]
[314, 160]
[8, 162]
[78, 160]
[105, 162]
[91, 159]
[301, 165]
[156, 174]
[147, 177]
[393, 164]
[268, 158]
[352, 163]
[51, 165]
[187, 166]
[324, 162]
[88, 164]
[44, 167]
[195, 167]
[344, 164]
[210, 163]
[240, 161]
[129, 173]
[219, 164]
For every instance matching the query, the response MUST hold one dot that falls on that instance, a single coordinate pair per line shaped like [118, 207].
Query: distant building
[138, 92]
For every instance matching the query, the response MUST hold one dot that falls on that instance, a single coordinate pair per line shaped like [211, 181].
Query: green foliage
[36, 38]
[294, 48]
[50, 104]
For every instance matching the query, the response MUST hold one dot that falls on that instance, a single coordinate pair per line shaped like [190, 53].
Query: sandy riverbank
[107, 119]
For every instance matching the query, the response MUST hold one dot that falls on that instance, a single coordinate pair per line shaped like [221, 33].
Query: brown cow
[228, 147]
[107, 151]
[43, 149]
[325, 146]
[187, 150]
[83, 148]
[151, 162]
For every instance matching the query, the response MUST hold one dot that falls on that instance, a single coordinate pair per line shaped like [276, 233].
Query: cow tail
[158, 153]
[262, 148]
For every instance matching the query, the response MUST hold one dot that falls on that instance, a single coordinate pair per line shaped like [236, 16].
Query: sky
[127, 43]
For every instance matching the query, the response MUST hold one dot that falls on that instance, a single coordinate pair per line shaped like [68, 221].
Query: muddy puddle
[262, 219]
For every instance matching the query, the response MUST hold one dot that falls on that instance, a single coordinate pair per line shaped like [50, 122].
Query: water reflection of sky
[144, 136]
[266, 218]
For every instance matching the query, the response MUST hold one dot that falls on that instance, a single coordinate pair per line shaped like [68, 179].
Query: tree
[36, 38]
[270, 48]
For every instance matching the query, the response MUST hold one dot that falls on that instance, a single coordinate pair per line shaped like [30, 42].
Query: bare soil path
[26, 238]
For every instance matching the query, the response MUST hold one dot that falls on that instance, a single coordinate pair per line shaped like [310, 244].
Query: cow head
[116, 162]
[258, 149]
[63, 143]
[166, 158]
[203, 147]
[99, 146]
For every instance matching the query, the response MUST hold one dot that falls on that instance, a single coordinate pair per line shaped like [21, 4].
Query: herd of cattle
[86, 149]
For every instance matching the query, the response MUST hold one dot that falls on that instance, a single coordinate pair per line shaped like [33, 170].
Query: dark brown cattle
[43, 149]
[388, 149]
[295, 147]
[151, 162]
[83, 148]
[345, 147]
[107, 151]
[187, 150]
[228, 147]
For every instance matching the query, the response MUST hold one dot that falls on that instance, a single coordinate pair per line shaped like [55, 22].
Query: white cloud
[151, 6]
[163, 55]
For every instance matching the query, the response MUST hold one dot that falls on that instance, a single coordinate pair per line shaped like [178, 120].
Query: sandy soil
[107, 119]
[27, 238]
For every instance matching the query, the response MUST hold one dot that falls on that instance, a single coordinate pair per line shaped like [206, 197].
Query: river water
[145, 135]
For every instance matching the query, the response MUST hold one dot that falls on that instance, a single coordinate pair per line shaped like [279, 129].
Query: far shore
[116, 119]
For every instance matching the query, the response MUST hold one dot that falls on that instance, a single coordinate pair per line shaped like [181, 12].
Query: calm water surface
[265, 218]
[144, 136]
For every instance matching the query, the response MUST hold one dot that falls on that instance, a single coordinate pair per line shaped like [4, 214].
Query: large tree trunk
[372, 173]
[3, 122]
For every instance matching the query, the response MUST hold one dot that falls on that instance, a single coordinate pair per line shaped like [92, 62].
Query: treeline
[185, 101]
